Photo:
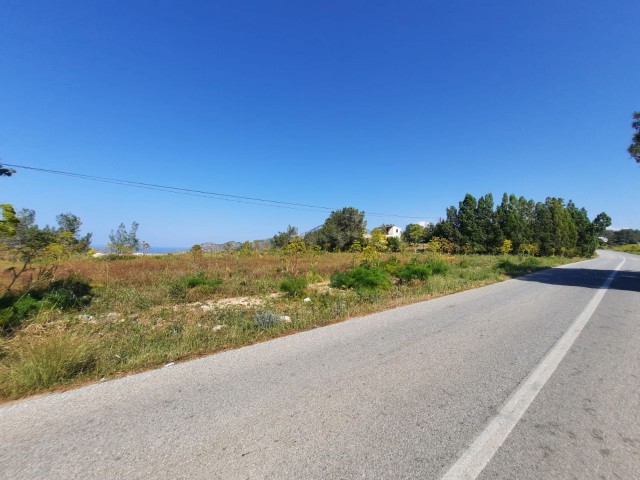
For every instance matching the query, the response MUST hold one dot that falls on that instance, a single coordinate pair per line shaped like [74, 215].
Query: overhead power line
[199, 193]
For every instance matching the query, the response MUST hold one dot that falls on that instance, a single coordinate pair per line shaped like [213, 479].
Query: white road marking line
[485, 446]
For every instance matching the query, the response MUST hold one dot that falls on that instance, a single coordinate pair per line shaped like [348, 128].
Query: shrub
[392, 265]
[413, 271]
[439, 266]
[68, 293]
[362, 278]
[395, 244]
[294, 286]
[64, 294]
[266, 318]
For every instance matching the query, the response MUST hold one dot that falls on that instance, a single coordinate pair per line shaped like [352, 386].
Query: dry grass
[143, 316]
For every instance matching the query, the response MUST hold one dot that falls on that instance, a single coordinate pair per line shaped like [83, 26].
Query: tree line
[516, 225]
[520, 225]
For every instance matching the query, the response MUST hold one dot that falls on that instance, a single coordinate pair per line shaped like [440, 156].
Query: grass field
[143, 312]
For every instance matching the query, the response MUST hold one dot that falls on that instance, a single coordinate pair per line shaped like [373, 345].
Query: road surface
[533, 378]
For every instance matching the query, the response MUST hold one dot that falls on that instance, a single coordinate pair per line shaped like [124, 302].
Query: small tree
[9, 221]
[38, 250]
[507, 247]
[122, 242]
[378, 240]
[281, 239]
[294, 250]
[340, 230]
[413, 233]
[69, 229]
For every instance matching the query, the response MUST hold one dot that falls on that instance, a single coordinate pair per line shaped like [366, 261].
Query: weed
[45, 362]
[294, 286]
[266, 318]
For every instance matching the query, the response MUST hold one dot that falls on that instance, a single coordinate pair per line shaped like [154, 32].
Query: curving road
[537, 377]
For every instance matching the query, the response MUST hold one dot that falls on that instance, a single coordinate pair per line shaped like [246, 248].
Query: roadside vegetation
[633, 248]
[110, 317]
[67, 317]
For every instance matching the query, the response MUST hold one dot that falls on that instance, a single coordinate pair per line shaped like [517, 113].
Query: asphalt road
[405, 393]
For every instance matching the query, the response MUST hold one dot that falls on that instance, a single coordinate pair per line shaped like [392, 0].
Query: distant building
[391, 231]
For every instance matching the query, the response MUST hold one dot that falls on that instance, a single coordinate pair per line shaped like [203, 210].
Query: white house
[392, 231]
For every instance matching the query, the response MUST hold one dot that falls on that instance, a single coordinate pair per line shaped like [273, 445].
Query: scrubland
[106, 317]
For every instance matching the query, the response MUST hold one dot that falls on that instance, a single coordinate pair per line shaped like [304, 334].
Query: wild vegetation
[116, 315]
[634, 248]
[66, 317]
[625, 236]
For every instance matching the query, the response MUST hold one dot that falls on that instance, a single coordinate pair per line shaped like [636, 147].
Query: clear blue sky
[392, 107]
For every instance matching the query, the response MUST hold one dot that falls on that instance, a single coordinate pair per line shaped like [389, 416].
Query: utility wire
[197, 193]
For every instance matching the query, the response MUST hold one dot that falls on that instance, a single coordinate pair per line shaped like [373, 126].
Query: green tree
[625, 236]
[69, 228]
[413, 233]
[281, 239]
[37, 250]
[601, 223]
[512, 223]
[340, 230]
[9, 221]
[491, 236]
[634, 148]
[378, 240]
[587, 240]
[555, 229]
[122, 241]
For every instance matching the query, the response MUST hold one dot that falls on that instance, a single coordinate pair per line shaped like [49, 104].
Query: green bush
[64, 294]
[439, 266]
[20, 309]
[294, 286]
[414, 271]
[392, 265]
[68, 293]
[362, 278]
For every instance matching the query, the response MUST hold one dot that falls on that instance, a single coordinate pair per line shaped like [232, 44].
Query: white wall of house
[394, 232]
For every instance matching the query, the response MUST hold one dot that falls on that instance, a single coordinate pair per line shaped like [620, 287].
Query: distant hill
[233, 245]
[220, 247]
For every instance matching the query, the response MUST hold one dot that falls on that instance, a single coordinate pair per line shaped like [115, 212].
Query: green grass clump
[180, 288]
[46, 362]
[294, 286]
[362, 278]
[439, 266]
